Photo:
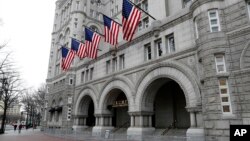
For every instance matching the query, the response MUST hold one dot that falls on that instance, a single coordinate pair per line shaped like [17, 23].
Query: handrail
[126, 124]
[171, 126]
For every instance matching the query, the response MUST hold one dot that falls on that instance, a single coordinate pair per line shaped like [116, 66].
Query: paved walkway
[29, 135]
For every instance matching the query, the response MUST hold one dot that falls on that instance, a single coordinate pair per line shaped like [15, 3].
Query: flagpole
[83, 42]
[111, 19]
[142, 10]
[93, 31]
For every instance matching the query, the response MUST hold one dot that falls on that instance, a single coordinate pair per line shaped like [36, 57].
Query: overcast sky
[27, 26]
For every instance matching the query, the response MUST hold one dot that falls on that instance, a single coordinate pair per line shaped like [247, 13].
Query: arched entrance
[85, 114]
[117, 104]
[168, 97]
[167, 100]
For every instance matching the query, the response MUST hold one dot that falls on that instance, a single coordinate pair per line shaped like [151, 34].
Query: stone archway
[155, 79]
[114, 91]
[85, 109]
[245, 57]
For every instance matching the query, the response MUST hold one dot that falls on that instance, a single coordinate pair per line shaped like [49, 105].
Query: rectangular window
[220, 63]
[145, 22]
[57, 69]
[170, 43]
[87, 76]
[187, 3]
[196, 28]
[97, 15]
[108, 67]
[91, 13]
[116, 9]
[121, 62]
[70, 81]
[91, 73]
[140, 26]
[224, 95]
[85, 7]
[59, 54]
[114, 64]
[158, 45]
[148, 51]
[82, 77]
[112, 12]
[77, 5]
[214, 20]
[145, 5]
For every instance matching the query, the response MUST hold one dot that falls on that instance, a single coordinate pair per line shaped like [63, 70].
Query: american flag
[130, 19]
[79, 48]
[111, 30]
[92, 40]
[67, 58]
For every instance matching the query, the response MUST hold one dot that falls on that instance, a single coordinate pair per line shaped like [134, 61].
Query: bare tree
[10, 86]
[33, 101]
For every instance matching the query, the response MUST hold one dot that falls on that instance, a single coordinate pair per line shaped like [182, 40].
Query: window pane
[223, 82]
[215, 29]
[214, 22]
[223, 91]
[220, 68]
[171, 44]
[149, 52]
[212, 14]
[219, 59]
[224, 99]
[159, 48]
[226, 108]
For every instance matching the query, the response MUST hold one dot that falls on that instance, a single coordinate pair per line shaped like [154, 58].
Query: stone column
[150, 120]
[110, 121]
[141, 123]
[132, 121]
[96, 121]
[104, 122]
[195, 132]
[193, 120]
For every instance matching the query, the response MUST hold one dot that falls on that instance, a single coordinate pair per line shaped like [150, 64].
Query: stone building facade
[188, 70]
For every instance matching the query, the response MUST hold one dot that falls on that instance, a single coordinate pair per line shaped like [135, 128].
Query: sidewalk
[29, 135]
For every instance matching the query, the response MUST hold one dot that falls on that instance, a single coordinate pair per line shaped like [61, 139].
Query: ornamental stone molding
[245, 57]
[115, 84]
[86, 91]
[186, 79]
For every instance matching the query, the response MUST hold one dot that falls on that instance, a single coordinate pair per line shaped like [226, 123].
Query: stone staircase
[170, 132]
[176, 132]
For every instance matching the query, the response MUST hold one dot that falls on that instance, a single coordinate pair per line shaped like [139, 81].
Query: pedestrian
[20, 128]
[15, 126]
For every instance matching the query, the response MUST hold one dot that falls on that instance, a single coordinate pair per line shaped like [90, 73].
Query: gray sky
[27, 26]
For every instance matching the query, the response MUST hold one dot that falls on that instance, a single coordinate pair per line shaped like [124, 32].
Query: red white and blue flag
[79, 48]
[67, 58]
[130, 19]
[92, 40]
[111, 30]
